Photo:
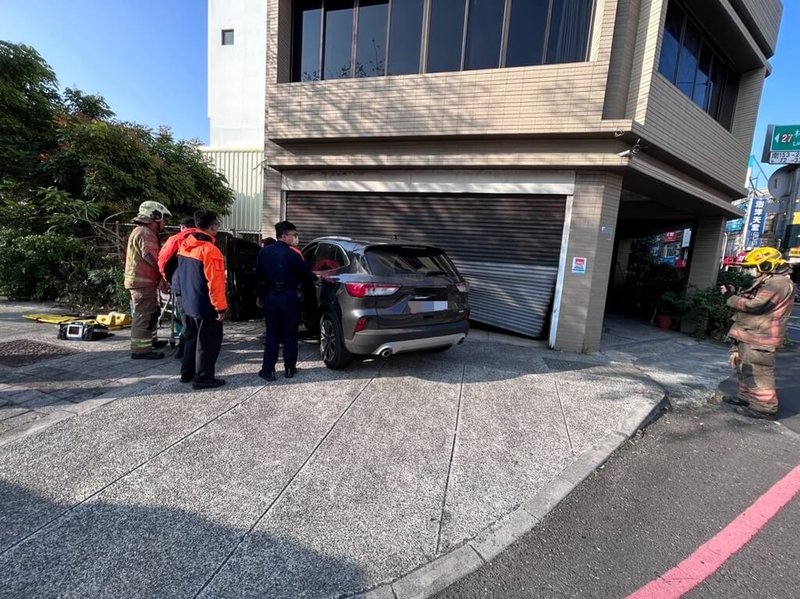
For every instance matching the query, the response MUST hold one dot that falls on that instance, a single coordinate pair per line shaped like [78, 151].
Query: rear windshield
[391, 261]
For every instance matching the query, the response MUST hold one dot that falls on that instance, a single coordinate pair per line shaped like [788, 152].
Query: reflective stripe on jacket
[763, 312]
[141, 259]
[200, 277]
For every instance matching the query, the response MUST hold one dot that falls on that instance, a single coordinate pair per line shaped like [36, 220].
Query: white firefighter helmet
[154, 211]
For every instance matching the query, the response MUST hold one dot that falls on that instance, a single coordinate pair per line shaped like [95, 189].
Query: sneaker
[150, 355]
[160, 343]
[751, 413]
[212, 384]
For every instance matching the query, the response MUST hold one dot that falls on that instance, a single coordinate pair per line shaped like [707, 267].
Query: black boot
[751, 413]
[150, 355]
[267, 376]
[290, 372]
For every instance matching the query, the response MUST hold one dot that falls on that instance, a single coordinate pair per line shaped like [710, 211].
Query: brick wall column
[707, 239]
[592, 227]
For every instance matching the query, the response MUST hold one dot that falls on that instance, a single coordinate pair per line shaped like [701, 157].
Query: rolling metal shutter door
[507, 247]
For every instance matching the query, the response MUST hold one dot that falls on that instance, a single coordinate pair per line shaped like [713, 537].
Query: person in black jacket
[279, 271]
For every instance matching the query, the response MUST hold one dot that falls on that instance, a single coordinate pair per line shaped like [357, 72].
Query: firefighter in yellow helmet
[142, 279]
[759, 325]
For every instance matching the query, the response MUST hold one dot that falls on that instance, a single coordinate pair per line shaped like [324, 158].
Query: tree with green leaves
[70, 173]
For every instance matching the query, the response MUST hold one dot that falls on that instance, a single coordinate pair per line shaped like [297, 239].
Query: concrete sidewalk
[394, 477]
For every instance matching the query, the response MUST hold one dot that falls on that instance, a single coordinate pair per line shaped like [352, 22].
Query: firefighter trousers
[145, 319]
[756, 375]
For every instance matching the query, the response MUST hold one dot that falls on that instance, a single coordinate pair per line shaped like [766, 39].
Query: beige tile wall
[595, 205]
[766, 18]
[706, 252]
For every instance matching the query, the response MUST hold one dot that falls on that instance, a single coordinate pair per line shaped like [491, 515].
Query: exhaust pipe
[385, 353]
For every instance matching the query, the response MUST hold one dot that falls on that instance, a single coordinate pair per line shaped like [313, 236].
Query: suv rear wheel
[331, 343]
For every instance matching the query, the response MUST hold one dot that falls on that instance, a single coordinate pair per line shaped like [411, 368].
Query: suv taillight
[462, 286]
[370, 289]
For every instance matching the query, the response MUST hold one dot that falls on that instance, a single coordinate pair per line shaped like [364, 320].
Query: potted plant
[670, 307]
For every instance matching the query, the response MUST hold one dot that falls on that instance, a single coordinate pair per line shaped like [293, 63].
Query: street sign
[782, 145]
[784, 157]
[785, 138]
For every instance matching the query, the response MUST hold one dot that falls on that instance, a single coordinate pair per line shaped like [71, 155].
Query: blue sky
[148, 58]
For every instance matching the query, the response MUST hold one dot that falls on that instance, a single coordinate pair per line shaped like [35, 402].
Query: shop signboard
[734, 226]
[756, 217]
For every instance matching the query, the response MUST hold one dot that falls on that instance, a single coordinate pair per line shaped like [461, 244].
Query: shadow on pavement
[104, 549]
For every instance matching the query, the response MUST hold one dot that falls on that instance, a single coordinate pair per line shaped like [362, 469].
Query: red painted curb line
[710, 556]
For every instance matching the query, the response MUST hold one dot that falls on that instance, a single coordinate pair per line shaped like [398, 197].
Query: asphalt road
[655, 502]
[794, 325]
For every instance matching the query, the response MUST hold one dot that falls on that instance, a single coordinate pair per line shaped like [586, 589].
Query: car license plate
[418, 307]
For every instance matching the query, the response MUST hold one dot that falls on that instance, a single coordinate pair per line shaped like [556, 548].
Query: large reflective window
[703, 78]
[526, 32]
[307, 39]
[338, 56]
[671, 46]
[335, 39]
[689, 59]
[570, 23]
[446, 35]
[484, 34]
[405, 37]
[371, 40]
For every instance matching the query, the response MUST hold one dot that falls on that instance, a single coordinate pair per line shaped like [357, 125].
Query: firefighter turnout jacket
[141, 259]
[200, 276]
[763, 311]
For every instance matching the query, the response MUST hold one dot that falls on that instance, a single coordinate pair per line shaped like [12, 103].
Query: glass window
[405, 37]
[446, 35]
[570, 22]
[371, 41]
[719, 73]
[526, 33]
[729, 95]
[389, 261]
[703, 77]
[307, 38]
[335, 39]
[484, 34]
[328, 258]
[688, 60]
[671, 46]
[338, 39]
[227, 37]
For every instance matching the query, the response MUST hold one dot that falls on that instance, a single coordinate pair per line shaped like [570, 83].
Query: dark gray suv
[381, 297]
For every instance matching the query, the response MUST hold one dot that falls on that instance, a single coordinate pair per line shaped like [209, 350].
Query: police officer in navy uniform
[280, 269]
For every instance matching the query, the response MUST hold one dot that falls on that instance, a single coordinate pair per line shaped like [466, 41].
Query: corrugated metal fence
[245, 175]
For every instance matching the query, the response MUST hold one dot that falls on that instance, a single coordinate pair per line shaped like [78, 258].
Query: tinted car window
[404, 260]
[327, 258]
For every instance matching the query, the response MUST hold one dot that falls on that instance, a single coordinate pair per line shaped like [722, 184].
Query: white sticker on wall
[579, 266]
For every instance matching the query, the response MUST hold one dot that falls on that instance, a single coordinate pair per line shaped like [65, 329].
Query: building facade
[237, 35]
[529, 138]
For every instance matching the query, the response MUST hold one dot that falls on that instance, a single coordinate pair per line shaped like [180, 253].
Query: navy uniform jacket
[279, 268]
